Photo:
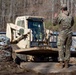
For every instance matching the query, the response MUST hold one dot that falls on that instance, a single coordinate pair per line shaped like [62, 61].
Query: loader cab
[35, 24]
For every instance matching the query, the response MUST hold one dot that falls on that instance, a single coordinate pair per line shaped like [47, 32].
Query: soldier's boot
[61, 64]
[66, 63]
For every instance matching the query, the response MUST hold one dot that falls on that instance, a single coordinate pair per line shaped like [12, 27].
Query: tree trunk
[52, 10]
[72, 6]
[61, 1]
[65, 1]
[68, 2]
[10, 13]
[3, 14]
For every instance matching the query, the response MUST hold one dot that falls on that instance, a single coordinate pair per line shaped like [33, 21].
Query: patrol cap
[63, 6]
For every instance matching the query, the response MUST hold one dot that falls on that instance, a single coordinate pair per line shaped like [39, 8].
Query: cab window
[37, 29]
[20, 23]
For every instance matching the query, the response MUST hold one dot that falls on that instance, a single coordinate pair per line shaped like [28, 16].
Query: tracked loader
[30, 40]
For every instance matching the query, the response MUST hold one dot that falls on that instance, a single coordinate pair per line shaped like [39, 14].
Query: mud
[11, 68]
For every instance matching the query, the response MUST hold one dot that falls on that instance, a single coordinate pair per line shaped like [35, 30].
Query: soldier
[65, 22]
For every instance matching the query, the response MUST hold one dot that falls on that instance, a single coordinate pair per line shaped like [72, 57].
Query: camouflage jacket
[64, 20]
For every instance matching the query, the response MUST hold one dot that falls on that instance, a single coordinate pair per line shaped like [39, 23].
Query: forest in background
[10, 9]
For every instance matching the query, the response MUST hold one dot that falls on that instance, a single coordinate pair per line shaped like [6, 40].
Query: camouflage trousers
[64, 44]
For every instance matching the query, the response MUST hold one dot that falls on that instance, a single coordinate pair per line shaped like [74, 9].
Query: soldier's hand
[55, 15]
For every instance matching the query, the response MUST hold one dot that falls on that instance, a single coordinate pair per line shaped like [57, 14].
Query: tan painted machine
[28, 33]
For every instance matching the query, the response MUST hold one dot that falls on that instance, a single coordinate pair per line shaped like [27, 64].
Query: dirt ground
[10, 68]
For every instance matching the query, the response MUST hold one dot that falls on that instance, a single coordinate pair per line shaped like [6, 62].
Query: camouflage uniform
[65, 21]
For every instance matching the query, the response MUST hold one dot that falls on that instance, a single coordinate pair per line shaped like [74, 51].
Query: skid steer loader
[30, 36]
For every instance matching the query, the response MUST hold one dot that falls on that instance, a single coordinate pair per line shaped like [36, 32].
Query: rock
[4, 42]
[5, 55]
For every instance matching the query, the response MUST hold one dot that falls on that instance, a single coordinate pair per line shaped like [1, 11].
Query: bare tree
[72, 1]
[61, 1]
[11, 10]
[68, 5]
[3, 13]
[65, 1]
[52, 9]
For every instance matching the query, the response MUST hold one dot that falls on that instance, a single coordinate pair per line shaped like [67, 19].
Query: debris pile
[5, 49]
